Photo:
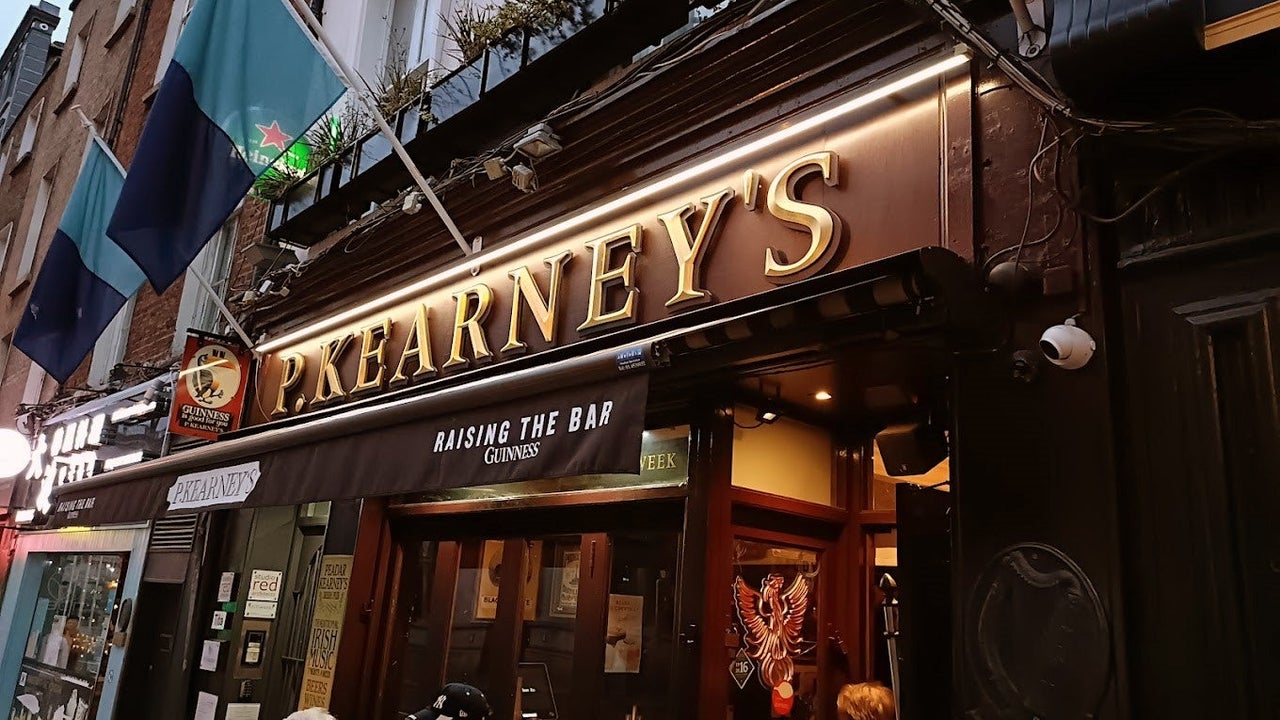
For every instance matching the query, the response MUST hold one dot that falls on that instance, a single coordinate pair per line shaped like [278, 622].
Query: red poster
[209, 396]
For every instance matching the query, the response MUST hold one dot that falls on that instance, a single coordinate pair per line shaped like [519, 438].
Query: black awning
[576, 417]
[389, 447]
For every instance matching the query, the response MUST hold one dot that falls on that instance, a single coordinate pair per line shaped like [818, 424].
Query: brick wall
[58, 149]
[60, 144]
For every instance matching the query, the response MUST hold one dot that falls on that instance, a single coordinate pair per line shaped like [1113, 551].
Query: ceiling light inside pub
[822, 395]
[539, 142]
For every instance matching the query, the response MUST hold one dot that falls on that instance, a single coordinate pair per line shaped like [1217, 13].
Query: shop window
[775, 609]
[69, 636]
[629, 615]
[786, 457]
[883, 489]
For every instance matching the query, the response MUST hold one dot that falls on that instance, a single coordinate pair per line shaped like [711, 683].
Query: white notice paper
[259, 609]
[219, 620]
[243, 711]
[206, 706]
[209, 656]
[224, 586]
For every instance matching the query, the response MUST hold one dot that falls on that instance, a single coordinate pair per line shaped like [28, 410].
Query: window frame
[35, 228]
[27, 144]
[177, 23]
[6, 350]
[109, 349]
[124, 10]
[6, 243]
[75, 63]
[196, 310]
[33, 391]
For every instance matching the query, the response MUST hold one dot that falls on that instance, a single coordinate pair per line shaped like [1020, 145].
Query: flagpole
[347, 74]
[199, 276]
[226, 312]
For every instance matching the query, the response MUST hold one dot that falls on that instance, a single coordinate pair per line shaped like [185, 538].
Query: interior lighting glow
[528, 242]
[822, 395]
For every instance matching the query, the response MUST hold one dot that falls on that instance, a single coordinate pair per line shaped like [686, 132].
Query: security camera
[1067, 346]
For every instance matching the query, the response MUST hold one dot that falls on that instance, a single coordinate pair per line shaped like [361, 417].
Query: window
[33, 393]
[109, 350]
[4, 159]
[34, 227]
[196, 310]
[177, 22]
[6, 239]
[75, 62]
[29, 132]
[124, 10]
[70, 630]
[6, 343]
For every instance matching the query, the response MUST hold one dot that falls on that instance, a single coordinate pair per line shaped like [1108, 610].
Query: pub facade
[727, 381]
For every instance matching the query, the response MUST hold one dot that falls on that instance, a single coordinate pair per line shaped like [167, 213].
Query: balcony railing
[509, 86]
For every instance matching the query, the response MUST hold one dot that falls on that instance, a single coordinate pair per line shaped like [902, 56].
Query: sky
[11, 12]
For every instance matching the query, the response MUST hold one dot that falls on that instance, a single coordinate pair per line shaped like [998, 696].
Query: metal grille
[173, 534]
[293, 657]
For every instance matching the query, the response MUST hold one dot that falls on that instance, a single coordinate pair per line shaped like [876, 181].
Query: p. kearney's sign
[224, 486]
[846, 195]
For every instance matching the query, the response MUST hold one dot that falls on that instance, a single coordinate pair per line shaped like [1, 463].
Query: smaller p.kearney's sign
[209, 395]
[224, 486]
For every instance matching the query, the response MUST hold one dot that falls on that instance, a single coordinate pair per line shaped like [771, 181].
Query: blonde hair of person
[865, 701]
[311, 714]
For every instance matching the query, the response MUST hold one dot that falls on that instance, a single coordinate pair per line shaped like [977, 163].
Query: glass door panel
[775, 670]
[545, 670]
[640, 626]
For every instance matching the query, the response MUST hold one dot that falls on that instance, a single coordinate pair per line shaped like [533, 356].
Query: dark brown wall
[1033, 466]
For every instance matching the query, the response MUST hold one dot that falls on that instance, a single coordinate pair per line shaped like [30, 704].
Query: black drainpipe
[113, 133]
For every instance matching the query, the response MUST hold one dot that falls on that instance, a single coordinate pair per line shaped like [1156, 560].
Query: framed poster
[564, 600]
[624, 633]
[491, 580]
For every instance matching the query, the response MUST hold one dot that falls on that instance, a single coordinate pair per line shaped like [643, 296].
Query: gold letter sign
[822, 224]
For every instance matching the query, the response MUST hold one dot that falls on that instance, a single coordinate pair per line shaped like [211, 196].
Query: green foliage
[474, 28]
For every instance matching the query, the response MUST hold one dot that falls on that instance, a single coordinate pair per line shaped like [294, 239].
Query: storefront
[652, 455]
[69, 601]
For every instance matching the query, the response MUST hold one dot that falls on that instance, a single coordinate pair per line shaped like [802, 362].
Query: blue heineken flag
[245, 82]
[85, 279]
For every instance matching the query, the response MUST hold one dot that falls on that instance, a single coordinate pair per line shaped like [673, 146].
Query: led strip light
[528, 242]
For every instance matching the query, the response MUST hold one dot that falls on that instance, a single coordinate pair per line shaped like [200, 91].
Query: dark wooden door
[1200, 487]
[151, 655]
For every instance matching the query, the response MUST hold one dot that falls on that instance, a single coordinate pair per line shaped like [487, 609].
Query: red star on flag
[273, 136]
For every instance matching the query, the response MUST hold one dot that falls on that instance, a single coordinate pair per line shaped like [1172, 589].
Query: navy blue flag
[85, 279]
[246, 81]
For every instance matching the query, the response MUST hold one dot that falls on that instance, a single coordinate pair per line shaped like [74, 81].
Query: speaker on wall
[912, 448]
